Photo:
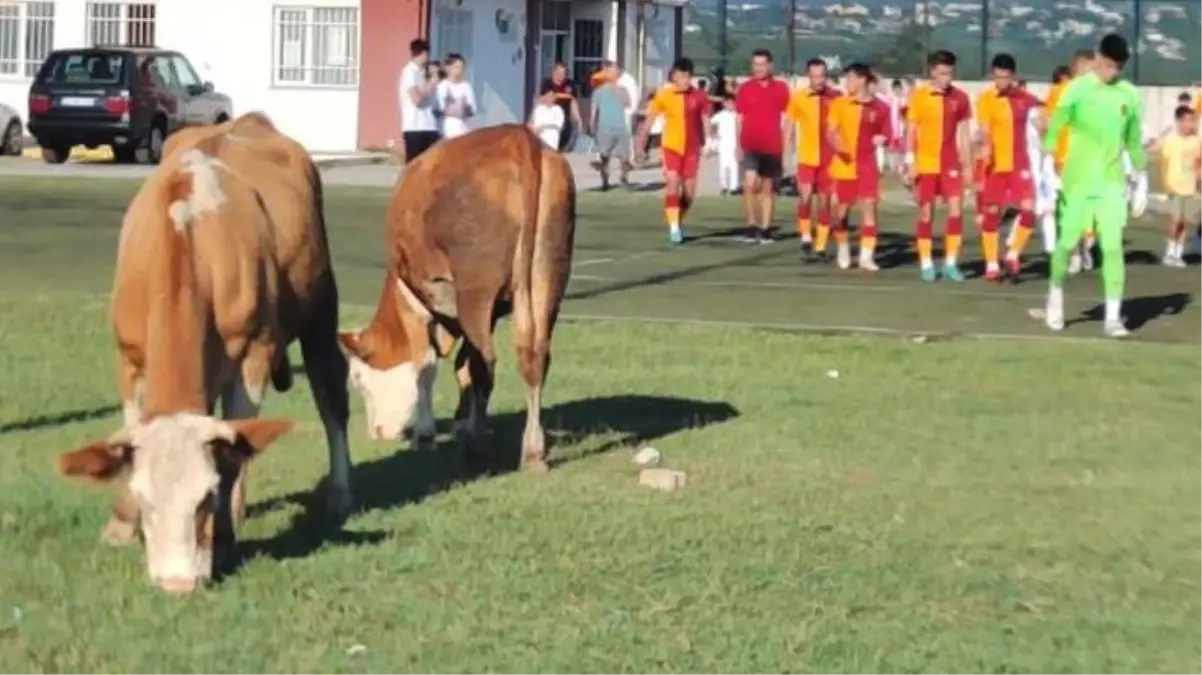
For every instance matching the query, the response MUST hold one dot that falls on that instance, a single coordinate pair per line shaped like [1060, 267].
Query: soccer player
[938, 156]
[760, 103]
[857, 127]
[1180, 156]
[685, 111]
[1104, 114]
[1003, 113]
[807, 111]
[1082, 63]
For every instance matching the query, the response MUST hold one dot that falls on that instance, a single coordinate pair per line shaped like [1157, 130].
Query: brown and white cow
[477, 226]
[222, 262]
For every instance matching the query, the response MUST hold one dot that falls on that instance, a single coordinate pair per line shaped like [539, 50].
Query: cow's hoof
[118, 533]
[424, 443]
[535, 466]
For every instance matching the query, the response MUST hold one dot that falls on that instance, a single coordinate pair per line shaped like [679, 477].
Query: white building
[326, 70]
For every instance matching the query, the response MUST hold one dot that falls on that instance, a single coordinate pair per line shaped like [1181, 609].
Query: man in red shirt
[760, 104]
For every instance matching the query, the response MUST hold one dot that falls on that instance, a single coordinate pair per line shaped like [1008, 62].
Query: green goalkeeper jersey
[1106, 120]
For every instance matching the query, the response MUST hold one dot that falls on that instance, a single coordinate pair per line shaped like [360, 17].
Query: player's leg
[690, 167]
[1022, 191]
[673, 161]
[751, 194]
[805, 200]
[768, 169]
[845, 194]
[823, 189]
[1073, 214]
[992, 199]
[952, 189]
[1110, 221]
[1174, 248]
[868, 232]
[924, 193]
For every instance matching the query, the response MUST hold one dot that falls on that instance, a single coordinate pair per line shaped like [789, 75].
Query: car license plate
[77, 102]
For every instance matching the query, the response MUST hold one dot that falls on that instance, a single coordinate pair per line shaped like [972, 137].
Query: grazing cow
[479, 225]
[222, 262]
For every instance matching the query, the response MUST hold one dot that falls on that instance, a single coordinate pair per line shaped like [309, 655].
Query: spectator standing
[610, 125]
[760, 104]
[547, 120]
[419, 128]
[726, 143]
[566, 95]
[456, 100]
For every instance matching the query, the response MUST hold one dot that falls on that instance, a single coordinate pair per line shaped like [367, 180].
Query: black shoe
[748, 235]
[762, 237]
[807, 251]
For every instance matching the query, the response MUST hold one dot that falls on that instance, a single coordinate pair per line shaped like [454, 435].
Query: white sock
[1047, 227]
[1113, 308]
[1170, 249]
[1178, 249]
[1055, 298]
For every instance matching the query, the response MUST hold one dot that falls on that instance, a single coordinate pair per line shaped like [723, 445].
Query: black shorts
[417, 142]
[762, 164]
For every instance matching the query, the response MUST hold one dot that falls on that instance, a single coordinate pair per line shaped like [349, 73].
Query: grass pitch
[855, 503]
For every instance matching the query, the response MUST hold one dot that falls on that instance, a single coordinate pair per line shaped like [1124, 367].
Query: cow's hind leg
[534, 316]
[326, 368]
[475, 370]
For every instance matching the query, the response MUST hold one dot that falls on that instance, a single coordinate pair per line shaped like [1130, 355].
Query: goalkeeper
[1104, 114]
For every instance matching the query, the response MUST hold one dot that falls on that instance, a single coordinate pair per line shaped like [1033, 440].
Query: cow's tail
[555, 226]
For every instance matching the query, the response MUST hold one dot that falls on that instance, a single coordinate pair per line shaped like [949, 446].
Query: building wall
[493, 44]
[387, 28]
[236, 56]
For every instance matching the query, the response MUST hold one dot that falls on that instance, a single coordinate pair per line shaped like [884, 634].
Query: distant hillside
[896, 34]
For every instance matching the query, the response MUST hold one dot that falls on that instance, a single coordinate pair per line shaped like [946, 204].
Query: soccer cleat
[762, 237]
[1074, 263]
[843, 256]
[675, 235]
[951, 272]
[1014, 268]
[868, 264]
[993, 274]
[1172, 261]
[807, 250]
[1053, 317]
[1115, 329]
[928, 273]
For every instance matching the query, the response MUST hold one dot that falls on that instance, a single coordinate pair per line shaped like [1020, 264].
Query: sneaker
[676, 235]
[928, 273]
[1014, 268]
[993, 275]
[762, 237]
[1172, 261]
[749, 235]
[868, 264]
[843, 256]
[951, 272]
[1115, 329]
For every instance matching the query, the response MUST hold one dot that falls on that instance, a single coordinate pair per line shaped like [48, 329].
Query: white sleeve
[440, 95]
[470, 99]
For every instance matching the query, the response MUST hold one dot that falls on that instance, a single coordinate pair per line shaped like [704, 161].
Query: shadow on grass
[59, 419]
[410, 476]
[1137, 312]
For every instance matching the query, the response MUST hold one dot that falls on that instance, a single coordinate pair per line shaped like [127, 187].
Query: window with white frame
[121, 24]
[316, 47]
[26, 37]
[588, 49]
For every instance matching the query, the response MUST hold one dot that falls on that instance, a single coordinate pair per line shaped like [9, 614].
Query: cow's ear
[241, 440]
[100, 461]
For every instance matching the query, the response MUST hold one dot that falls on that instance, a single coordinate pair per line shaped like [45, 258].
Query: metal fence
[895, 35]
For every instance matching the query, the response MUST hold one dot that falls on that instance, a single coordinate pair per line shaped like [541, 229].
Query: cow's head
[394, 360]
[181, 470]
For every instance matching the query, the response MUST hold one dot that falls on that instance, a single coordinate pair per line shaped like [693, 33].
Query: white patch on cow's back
[206, 197]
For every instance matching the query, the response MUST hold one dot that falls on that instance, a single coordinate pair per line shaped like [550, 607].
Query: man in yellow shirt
[1181, 174]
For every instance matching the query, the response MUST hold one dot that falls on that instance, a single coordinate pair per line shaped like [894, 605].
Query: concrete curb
[372, 159]
[104, 155]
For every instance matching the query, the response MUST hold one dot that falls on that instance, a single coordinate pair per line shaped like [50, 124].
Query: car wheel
[13, 142]
[125, 154]
[151, 151]
[56, 154]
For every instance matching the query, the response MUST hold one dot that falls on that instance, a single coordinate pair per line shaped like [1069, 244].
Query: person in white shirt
[547, 119]
[726, 145]
[628, 84]
[456, 101]
[419, 128]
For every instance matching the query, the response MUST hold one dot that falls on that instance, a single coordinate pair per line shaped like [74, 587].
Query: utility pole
[722, 35]
[790, 26]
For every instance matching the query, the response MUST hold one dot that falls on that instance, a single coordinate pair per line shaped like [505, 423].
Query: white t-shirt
[628, 84]
[547, 121]
[726, 124]
[414, 116]
[449, 92]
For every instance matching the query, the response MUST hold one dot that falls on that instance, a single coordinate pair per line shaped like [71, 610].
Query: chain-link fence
[895, 35]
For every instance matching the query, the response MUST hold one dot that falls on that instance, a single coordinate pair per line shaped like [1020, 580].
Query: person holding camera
[419, 126]
[456, 101]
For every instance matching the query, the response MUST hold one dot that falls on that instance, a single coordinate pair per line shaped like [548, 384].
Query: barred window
[316, 47]
[26, 37]
[121, 24]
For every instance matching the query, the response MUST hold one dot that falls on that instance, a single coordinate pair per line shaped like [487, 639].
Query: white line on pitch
[618, 259]
[817, 286]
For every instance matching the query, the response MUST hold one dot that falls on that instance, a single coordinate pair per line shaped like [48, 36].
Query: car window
[100, 69]
[163, 74]
[183, 71]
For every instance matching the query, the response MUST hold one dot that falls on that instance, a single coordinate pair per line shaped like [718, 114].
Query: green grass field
[856, 501]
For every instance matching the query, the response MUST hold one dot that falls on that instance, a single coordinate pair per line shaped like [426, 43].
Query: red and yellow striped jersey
[935, 117]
